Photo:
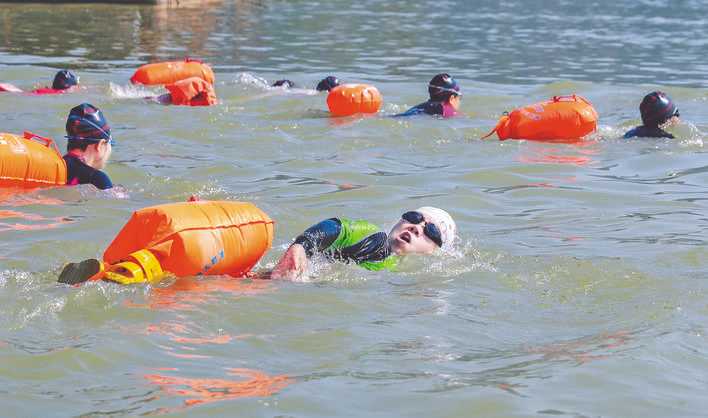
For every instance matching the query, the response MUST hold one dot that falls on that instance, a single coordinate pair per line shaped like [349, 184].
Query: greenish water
[576, 289]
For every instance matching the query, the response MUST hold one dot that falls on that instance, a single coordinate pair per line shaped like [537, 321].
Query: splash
[251, 80]
[130, 91]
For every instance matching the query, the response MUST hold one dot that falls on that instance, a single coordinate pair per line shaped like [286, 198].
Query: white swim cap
[444, 222]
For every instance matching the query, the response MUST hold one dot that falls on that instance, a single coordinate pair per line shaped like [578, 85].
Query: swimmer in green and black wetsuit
[421, 231]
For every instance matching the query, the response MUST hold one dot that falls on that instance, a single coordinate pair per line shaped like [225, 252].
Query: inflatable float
[192, 91]
[350, 99]
[30, 161]
[170, 72]
[560, 118]
[186, 239]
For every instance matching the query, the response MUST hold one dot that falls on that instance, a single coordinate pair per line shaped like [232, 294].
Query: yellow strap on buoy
[126, 272]
[151, 266]
[142, 267]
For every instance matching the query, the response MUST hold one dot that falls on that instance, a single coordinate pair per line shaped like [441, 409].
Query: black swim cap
[287, 83]
[64, 79]
[87, 123]
[328, 83]
[657, 108]
[442, 86]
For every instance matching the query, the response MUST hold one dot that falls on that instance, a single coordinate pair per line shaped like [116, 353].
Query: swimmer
[444, 99]
[64, 81]
[421, 231]
[192, 91]
[287, 84]
[328, 83]
[88, 147]
[658, 111]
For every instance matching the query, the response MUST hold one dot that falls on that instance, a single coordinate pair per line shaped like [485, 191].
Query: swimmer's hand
[292, 264]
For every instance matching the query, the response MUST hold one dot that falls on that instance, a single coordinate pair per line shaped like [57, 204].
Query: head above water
[657, 108]
[423, 231]
[65, 79]
[284, 83]
[328, 83]
[442, 87]
[89, 135]
[86, 125]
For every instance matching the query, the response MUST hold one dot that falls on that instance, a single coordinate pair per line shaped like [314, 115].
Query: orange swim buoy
[350, 99]
[561, 118]
[188, 239]
[26, 163]
[192, 91]
[170, 72]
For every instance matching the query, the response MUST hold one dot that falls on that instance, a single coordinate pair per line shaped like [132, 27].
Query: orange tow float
[169, 72]
[30, 161]
[192, 91]
[561, 118]
[350, 99]
[188, 239]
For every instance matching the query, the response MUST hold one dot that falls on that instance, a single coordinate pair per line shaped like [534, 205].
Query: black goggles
[430, 229]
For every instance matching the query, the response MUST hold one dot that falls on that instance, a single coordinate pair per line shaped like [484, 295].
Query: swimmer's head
[86, 123]
[442, 87]
[284, 83]
[88, 132]
[422, 231]
[65, 79]
[657, 108]
[328, 83]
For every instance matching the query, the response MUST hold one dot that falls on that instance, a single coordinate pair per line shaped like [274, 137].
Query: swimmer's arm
[291, 265]
[316, 238]
[372, 248]
[320, 237]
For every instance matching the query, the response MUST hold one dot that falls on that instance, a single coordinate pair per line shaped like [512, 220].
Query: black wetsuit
[78, 172]
[431, 107]
[648, 132]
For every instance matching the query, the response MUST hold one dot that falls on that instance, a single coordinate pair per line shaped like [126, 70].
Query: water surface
[576, 289]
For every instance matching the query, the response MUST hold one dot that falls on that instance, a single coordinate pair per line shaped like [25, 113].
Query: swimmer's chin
[398, 245]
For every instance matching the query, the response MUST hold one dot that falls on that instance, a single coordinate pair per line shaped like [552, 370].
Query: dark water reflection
[503, 42]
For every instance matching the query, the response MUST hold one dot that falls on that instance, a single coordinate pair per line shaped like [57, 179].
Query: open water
[578, 288]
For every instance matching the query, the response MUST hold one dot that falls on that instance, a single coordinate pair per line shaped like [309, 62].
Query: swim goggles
[446, 90]
[430, 229]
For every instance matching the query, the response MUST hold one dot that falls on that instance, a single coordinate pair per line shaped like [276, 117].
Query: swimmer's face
[674, 120]
[103, 153]
[408, 238]
[455, 101]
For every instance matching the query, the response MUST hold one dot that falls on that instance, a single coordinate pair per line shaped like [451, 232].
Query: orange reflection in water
[187, 293]
[581, 351]
[24, 197]
[203, 390]
[176, 332]
[48, 223]
[573, 152]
